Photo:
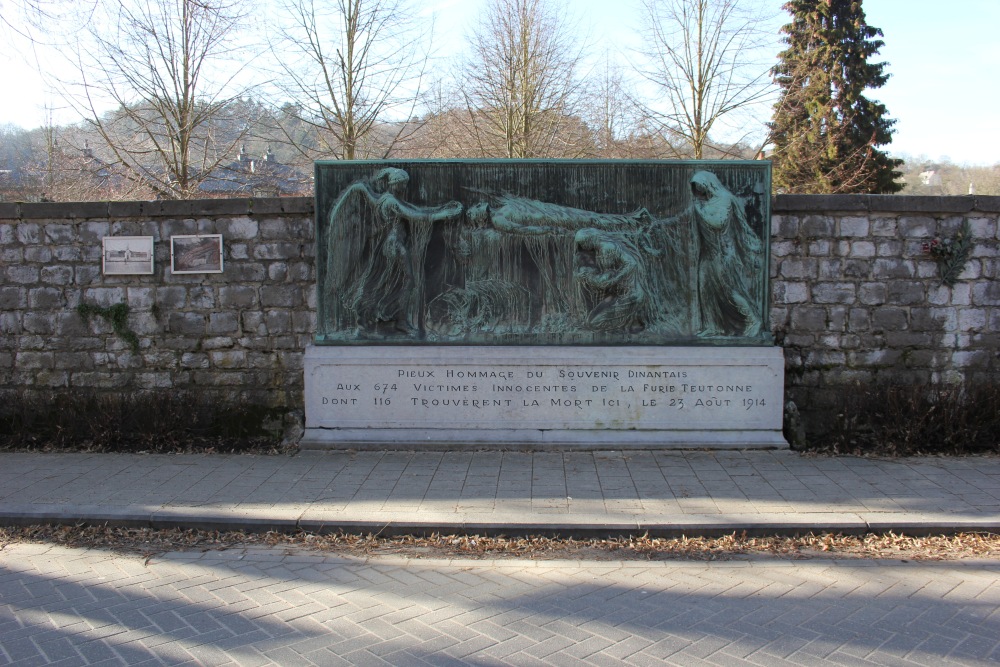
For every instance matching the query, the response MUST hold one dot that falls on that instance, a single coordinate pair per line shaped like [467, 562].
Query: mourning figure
[730, 259]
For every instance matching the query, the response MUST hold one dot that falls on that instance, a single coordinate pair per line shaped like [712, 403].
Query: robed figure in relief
[376, 254]
[730, 261]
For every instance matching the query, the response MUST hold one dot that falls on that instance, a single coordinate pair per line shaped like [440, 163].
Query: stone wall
[856, 299]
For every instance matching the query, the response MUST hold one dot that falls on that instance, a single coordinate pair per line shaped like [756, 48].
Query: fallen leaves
[147, 542]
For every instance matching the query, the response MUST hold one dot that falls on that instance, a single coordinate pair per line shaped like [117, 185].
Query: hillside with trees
[179, 99]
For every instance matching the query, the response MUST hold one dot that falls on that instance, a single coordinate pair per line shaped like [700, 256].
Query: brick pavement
[280, 606]
[608, 492]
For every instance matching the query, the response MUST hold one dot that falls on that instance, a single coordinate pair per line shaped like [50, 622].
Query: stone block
[961, 294]
[889, 249]
[59, 233]
[831, 269]
[217, 343]
[69, 324]
[93, 231]
[228, 359]
[859, 319]
[237, 297]
[132, 228]
[279, 322]
[38, 323]
[986, 293]
[785, 226]
[191, 324]
[836, 319]
[820, 248]
[817, 226]
[799, 268]
[74, 361]
[246, 272]
[274, 229]
[7, 234]
[67, 253]
[12, 298]
[237, 251]
[301, 272]
[87, 275]
[194, 360]
[971, 358]
[140, 298]
[857, 268]
[902, 339]
[175, 227]
[22, 274]
[29, 233]
[11, 256]
[834, 293]
[56, 275]
[104, 296]
[855, 226]
[280, 296]
[47, 378]
[202, 297]
[33, 360]
[927, 269]
[973, 319]
[145, 324]
[983, 228]
[303, 322]
[277, 250]
[809, 319]
[933, 319]
[862, 249]
[938, 295]
[46, 298]
[906, 292]
[893, 268]
[223, 323]
[973, 270]
[38, 253]
[922, 227]
[153, 380]
[890, 319]
[252, 323]
[242, 228]
[277, 272]
[171, 298]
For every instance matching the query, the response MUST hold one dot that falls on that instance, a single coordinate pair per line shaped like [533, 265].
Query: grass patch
[154, 421]
[909, 420]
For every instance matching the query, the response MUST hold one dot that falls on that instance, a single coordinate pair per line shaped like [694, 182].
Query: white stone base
[449, 397]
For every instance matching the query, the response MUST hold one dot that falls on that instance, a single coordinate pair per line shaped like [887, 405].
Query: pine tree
[826, 133]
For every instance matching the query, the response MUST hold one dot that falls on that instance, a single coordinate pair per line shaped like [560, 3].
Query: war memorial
[543, 304]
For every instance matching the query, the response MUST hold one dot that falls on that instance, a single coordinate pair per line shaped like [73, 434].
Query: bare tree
[167, 69]
[702, 64]
[351, 66]
[520, 82]
[613, 112]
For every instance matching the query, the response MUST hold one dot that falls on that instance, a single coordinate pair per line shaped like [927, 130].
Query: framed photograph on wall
[127, 255]
[196, 253]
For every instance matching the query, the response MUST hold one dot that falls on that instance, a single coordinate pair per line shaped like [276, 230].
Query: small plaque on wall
[127, 255]
[196, 253]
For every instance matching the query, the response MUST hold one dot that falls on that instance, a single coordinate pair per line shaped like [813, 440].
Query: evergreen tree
[826, 133]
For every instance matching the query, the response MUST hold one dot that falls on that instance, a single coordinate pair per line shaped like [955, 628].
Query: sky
[944, 62]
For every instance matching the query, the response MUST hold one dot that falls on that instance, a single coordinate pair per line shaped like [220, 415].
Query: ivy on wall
[116, 316]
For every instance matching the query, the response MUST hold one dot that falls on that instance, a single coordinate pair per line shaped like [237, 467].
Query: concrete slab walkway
[496, 492]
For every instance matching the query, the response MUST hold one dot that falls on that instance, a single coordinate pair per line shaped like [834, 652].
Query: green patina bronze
[551, 252]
